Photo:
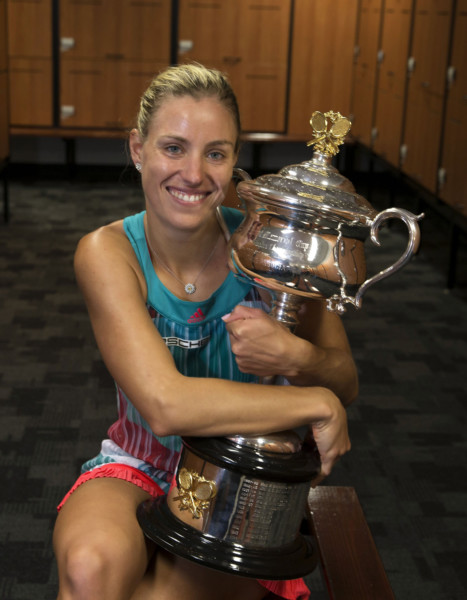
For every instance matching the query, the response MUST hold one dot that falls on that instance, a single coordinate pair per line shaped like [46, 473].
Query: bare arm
[136, 356]
[317, 354]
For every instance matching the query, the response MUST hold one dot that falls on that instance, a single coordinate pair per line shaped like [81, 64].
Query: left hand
[262, 346]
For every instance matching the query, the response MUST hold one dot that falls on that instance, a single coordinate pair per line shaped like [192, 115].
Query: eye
[173, 149]
[216, 155]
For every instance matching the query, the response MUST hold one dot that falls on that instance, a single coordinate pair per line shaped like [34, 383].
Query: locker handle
[185, 46]
[66, 43]
[451, 75]
[411, 65]
[66, 111]
[441, 178]
[380, 56]
[403, 153]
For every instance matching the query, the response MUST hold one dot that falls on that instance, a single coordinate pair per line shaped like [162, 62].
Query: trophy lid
[315, 186]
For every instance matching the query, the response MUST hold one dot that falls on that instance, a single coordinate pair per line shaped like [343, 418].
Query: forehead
[187, 116]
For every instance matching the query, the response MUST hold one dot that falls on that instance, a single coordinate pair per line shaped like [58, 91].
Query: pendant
[190, 288]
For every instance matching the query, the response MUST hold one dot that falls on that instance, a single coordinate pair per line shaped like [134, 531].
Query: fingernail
[226, 316]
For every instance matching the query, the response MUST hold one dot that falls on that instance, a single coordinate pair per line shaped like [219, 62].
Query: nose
[193, 169]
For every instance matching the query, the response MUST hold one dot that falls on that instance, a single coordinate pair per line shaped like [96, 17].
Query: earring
[138, 166]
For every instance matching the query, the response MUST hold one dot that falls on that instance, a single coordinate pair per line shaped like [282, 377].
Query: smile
[187, 197]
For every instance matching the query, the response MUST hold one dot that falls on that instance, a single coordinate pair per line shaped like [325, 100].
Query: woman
[185, 342]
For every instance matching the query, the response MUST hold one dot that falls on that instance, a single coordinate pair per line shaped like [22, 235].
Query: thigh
[171, 578]
[98, 525]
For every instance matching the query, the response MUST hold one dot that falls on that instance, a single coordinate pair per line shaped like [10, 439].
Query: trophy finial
[329, 131]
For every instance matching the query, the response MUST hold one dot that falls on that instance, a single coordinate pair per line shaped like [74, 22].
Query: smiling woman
[186, 342]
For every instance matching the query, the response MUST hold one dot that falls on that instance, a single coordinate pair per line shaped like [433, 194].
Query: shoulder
[100, 243]
[105, 253]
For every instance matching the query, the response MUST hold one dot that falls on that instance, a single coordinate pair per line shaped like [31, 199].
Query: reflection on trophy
[238, 503]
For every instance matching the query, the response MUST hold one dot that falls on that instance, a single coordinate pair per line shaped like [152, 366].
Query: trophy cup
[237, 504]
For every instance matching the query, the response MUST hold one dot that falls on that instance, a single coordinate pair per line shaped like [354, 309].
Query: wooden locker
[392, 79]
[264, 42]
[30, 62]
[248, 40]
[453, 180]
[144, 30]
[88, 29]
[119, 29]
[208, 31]
[365, 70]
[369, 29]
[102, 93]
[110, 50]
[323, 43]
[426, 91]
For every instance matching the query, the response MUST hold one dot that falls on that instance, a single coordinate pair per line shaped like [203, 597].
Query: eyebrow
[178, 138]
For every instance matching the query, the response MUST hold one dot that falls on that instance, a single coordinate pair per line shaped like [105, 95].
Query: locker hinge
[380, 56]
[374, 134]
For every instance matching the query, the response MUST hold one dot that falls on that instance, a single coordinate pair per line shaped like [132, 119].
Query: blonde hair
[186, 80]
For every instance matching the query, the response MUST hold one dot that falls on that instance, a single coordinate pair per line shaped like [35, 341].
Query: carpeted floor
[408, 427]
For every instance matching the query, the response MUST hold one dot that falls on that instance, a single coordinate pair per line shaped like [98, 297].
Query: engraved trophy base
[237, 509]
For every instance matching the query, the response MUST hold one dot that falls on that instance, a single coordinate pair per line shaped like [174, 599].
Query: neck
[185, 259]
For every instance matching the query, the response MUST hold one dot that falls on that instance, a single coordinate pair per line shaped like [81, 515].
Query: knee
[83, 570]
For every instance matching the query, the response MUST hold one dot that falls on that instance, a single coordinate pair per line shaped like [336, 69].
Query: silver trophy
[238, 504]
[304, 231]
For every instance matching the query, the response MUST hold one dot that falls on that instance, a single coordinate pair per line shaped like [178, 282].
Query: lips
[186, 197]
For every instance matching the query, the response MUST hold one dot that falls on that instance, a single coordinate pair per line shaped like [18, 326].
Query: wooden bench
[350, 563]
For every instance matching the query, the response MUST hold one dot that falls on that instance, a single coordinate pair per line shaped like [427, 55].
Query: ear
[136, 145]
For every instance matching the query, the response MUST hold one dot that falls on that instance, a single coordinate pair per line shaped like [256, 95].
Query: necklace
[190, 287]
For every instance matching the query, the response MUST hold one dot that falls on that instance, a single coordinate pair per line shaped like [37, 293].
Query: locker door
[323, 43]
[365, 70]
[30, 62]
[426, 89]
[392, 79]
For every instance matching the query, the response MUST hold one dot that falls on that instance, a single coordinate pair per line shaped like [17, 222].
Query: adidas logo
[197, 317]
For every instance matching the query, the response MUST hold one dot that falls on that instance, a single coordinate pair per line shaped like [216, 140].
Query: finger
[242, 312]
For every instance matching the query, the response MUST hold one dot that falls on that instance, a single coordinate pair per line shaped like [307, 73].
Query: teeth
[187, 197]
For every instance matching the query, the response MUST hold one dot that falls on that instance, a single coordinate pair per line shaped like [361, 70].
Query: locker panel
[430, 46]
[422, 137]
[25, 37]
[322, 58]
[30, 92]
[362, 104]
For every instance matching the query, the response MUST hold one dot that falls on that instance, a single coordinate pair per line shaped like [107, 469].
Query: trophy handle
[411, 222]
[337, 302]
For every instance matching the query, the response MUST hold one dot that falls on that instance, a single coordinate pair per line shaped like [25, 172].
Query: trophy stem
[285, 309]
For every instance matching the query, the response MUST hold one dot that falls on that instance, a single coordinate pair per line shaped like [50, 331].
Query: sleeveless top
[199, 343]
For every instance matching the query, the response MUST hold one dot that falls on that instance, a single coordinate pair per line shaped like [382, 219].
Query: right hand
[331, 436]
